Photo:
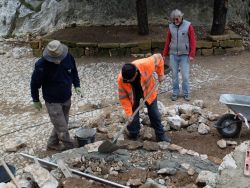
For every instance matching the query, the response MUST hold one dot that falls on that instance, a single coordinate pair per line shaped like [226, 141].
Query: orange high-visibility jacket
[146, 67]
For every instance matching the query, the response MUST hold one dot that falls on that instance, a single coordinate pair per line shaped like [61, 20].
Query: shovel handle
[135, 112]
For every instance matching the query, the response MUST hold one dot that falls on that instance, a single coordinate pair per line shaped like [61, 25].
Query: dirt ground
[232, 78]
[112, 34]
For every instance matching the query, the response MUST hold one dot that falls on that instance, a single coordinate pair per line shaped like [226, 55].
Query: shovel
[108, 146]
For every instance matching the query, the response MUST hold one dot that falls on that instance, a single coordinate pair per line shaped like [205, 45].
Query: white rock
[203, 128]
[228, 162]
[203, 157]
[207, 177]
[176, 122]
[93, 147]
[7, 185]
[189, 109]
[199, 103]
[41, 176]
[186, 166]
[191, 171]
[14, 144]
[193, 153]
[222, 143]
[231, 143]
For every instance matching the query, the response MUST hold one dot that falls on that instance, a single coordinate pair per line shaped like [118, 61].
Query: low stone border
[213, 45]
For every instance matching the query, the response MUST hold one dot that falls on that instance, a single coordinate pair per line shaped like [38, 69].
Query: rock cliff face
[18, 17]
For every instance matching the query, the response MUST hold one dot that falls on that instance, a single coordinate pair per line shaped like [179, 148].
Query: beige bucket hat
[55, 51]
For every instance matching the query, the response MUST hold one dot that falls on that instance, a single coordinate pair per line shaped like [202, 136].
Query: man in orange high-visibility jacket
[135, 81]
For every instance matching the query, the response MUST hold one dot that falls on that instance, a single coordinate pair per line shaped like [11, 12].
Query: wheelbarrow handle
[135, 112]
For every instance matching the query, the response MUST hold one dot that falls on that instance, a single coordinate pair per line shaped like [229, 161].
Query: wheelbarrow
[229, 125]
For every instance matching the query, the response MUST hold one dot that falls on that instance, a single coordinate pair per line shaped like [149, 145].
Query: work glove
[37, 105]
[78, 91]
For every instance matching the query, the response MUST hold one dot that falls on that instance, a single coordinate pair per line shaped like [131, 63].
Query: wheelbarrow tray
[237, 103]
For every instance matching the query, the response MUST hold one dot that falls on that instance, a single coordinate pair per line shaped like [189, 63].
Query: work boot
[163, 138]
[133, 136]
[55, 147]
[174, 97]
[187, 97]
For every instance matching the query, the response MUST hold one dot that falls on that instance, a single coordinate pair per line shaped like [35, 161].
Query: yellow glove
[37, 105]
[78, 91]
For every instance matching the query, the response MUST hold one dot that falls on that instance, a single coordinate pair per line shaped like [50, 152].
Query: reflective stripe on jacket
[146, 67]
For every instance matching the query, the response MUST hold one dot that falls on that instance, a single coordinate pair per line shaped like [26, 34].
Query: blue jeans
[154, 116]
[180, 62]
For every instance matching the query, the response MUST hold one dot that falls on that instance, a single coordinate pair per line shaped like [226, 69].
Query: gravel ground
[98, 80]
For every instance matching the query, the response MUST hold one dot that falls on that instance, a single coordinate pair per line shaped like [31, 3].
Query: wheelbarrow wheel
[229, 126]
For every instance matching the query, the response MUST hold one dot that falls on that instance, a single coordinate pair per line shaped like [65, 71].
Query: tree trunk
[142, 17]
[220, 16]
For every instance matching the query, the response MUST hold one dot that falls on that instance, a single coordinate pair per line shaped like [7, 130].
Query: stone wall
[213, 45]
[18, 17]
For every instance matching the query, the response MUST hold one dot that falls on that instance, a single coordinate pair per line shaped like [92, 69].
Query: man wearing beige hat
[55, 72]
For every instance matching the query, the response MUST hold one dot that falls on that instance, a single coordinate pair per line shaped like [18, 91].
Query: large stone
[91, 51]
[35, 44]
[189, 109]
[228, 163]
[132, 145]
[136, 177]
[219, 37]
[41, 176]
[215, 160]
[207, 52]
[158, 44]
[76, 182]
[168, 171]
[198, 52]
[204, 44]
[150, 146]
[234, 50]
[238, 43]
[206, 178]
[203, 128]
[145, 45]
[227, 43]
[128, 44]
[151, 184]
[108, 45]
[219, 51]
[86, 44]
[176, 122]
[14, 144]
[135, 50]
[148, 133]
[76, 52]
[216, 43]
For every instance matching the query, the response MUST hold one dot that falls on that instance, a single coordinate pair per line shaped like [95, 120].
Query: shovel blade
[107, 147]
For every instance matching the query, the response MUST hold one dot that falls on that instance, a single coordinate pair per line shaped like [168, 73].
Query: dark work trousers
[59, 116]
[154, 116]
